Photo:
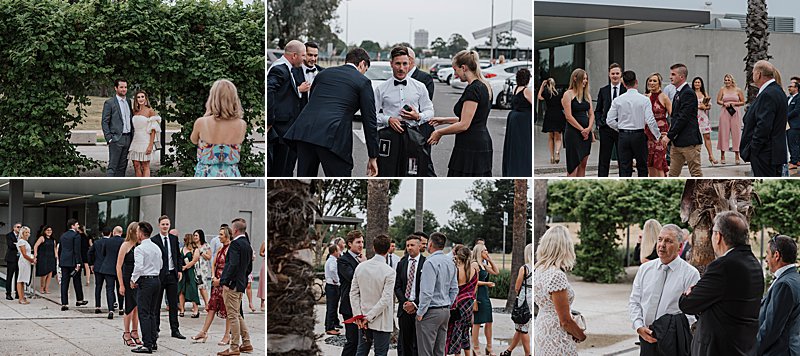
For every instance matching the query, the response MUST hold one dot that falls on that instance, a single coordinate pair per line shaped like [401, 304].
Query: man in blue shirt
[438, 290]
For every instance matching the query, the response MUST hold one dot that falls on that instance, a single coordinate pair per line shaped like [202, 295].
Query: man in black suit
[105, 269]
[608, 136]
[779, 319]
[684, 130]
[793, 133]
[406, 289]
[417, 74]
[764, 133]
[171, 273]
[346, 267]
[285, 87]
[69, 259]
[310, 68]
[727, 297]
[323, 132]
[12, 258]
[238, 265]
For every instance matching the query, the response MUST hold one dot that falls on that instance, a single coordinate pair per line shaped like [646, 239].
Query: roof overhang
[519, 26]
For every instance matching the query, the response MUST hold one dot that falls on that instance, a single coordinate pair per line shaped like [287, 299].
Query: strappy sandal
[128, 341]
[136, 339]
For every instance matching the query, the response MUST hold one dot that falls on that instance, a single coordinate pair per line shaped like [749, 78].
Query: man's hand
[395, 124]
[78, 268]
[646, 334]
[133, 285]
[413, 114]
[419, 317]
[304, 88]
[372, 167]
[664, 140]
[409, 307]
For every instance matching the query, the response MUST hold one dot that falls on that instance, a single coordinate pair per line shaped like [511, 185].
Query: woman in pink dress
[657, 151]
[703, 105]
[730, 97]
[261, 281]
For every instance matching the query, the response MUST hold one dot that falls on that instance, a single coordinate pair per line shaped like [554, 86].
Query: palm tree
[539, 210]
[377, 212]
[419, 209]
[702, 199]
[520, 234]
[290, 300]
[757, 41]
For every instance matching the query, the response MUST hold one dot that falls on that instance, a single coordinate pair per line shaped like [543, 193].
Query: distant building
[421, 39]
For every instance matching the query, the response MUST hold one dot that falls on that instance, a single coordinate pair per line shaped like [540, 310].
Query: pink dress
[702, 119]
[730, 126]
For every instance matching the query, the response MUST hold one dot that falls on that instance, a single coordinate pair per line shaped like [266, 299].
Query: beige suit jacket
[372, 293]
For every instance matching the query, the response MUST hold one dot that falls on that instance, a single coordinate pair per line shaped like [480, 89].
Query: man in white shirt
[310, 66]
[332, 291]
[147, 259]
[371, 295]
[628, 115]
[391, 259]
[658, 286]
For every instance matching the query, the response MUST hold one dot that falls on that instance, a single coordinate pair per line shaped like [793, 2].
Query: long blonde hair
[472, 61]
[550, 85]
[528, 253]
[555, 249]
[649, 238]
[476, 254]
[223, 101]
[130, 235]
[728, 75]
[576, 84]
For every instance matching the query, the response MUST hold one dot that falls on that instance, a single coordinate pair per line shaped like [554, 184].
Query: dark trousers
[608, 139]
[147, 300]
[632, 145]
[169, 283]
[351, 334]
[331, 306]
[12, 272]
[76, 283]
[407, 338]
[367, 338]
[110, 281]
[310, 156]
[284, 157]
[793, 139]
[762, 168]
[118, 156]
[647, 349]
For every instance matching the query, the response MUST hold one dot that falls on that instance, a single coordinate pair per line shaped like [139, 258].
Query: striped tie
[412, 272]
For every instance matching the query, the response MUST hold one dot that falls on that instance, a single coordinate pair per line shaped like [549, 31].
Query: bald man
[285, 87]
[764, 134]
[423, 77]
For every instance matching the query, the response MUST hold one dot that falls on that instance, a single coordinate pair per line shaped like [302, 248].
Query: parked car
[445, 75]
[436, 66]
[273, 55]
[379, 72]
[496, 76]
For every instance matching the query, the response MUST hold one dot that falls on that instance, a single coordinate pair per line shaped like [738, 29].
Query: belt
[439, 307]
[126, 134]
[631, 131]
[148, 277]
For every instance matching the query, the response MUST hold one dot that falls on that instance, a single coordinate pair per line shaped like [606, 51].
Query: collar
[305, 67]
[411, 71]
[415, 258]
[792, 96]
[783, 269]
[408, 76]
[726, 252]
[352, 65]
[672, 265]
[381, 258]
[238, 236]
[355, 255]
[119, 98]
[681, 87]
[619, 86]
[764, 86]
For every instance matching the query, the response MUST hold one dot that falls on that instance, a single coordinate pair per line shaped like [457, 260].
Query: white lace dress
[549, 338]
[142, 127]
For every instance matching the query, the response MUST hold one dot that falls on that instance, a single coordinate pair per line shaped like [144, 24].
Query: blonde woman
[555, 332]
[656, 150]
[554, 121]
[730, 97]
[220, 132]
[125, 261]
[650, 233]
[146, 125]
[483, 312]
[472, 152]
[522, 286]
[578, 137]
[25, 264]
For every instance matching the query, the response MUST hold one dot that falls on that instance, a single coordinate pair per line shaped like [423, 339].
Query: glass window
[562, 65]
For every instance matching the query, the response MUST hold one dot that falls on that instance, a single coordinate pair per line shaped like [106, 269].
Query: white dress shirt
[631, 111]
[790, 99]
[764, 86]
[611, 90]
[168, 248]
[780, 271]
[146, 260]
[126, 114]
[331, 271]
[681, 276]
[309, 75]
[391, 98]
[392, 260]
[413, 293]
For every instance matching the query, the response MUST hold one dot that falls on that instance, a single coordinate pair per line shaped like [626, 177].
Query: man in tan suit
[372, 295]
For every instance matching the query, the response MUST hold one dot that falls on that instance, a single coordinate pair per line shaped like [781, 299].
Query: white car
[445, 75]
[379, 72]
[496, 76]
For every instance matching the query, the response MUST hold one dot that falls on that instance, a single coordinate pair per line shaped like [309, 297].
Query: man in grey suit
[779, 319]
[69, 258]
[118, 129]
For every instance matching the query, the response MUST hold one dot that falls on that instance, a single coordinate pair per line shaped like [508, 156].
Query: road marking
[360, 135]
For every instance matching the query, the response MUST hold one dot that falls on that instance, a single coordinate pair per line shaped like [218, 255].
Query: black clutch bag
[731, 110]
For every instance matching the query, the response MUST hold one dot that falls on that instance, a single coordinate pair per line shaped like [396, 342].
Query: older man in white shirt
[372, 295]
[629, 114]
[147, 264]
[657, 288]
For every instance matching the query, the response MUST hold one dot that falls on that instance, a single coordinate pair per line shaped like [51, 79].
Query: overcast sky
[777, 8]
[387, 21]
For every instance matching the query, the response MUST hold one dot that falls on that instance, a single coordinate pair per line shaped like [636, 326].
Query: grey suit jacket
[779, 319]
[112, 119]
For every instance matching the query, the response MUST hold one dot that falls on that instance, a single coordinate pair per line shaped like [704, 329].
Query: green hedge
[502, 282]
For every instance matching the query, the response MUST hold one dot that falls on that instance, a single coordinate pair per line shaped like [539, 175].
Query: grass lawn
[94, 114]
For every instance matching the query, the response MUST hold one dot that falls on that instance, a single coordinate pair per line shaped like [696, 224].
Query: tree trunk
[539, 210]
[377, 212]
[757, 41]
[519, 237]
[419, 208]
[290, 300]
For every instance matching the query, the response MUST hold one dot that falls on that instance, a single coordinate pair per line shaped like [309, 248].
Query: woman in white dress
[555, 332]
[25, 263]
[146, 126]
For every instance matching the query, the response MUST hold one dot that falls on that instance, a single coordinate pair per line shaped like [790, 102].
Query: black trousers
[793, 139]
[76, 283]
[12, 272]
[608, 139]
[169, 284]
[762, 168]
[110, 283]
[147, 300]
[331, 306]
[647, 349]
[284, 157]
[632, 145]
[407, 338]
[310, 156]
[351, 334]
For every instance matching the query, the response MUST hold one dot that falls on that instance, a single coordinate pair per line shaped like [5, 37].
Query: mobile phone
[406, 107]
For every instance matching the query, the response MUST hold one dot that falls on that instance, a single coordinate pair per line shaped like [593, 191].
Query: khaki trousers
[233, 300]
[689, 155]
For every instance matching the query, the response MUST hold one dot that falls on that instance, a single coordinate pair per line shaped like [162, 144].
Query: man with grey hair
[285, 87]
[686, 245]
[653, 303]
[419, 75]
[727, 298]
[764, 133]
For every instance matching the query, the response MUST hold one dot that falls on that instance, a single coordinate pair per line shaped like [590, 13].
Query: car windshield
[379, 72]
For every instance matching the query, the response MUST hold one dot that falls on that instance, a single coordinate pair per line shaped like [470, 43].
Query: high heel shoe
[489, 353]
[136, 339]
[713, 161]
[196, 315]
[223, 343]
[506, 353]
[128, 341]
[200, 339]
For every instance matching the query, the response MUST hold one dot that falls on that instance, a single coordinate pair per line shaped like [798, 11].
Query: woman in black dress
[86, 243]
[554, 120]
[45, 255]
[472, 152]
[578, 136]
[517, 147]
[124, 270]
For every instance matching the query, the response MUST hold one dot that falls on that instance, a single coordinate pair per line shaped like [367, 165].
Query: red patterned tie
[412, 273]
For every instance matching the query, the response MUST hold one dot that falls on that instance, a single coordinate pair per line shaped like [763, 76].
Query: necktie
[399, 82]
[166, 255]
[411, 274]
[614, 96]
[655, 298]
[311, 70]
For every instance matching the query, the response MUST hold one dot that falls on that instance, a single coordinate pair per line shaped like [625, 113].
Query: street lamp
[347, 27]
[491, 37]
[410, 32]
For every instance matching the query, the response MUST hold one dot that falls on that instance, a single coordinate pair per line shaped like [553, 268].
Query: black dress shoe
[177, 335]
[111, 315]
[97, 311]
[155, 347]
[64, 308]
[121, 312]
[142, 350]
[9, 297]
[77, 304]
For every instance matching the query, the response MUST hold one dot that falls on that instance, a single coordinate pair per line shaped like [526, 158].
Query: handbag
[578, 317]
[199, 279]
[731, 110]
[521, 314]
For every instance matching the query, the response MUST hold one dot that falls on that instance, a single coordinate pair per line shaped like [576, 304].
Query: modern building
[521, 49]
[421, 39]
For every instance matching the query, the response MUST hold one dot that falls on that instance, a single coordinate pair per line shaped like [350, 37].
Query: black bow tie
[312, 70]
[399, 82]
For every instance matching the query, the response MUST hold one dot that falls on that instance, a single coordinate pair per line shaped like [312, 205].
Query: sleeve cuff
[638, 323]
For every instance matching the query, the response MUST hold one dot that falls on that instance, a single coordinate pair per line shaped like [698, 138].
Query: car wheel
[448, 79]
[503, 102]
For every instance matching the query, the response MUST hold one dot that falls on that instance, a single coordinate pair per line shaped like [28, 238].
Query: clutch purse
[578, 317]
[731, 110]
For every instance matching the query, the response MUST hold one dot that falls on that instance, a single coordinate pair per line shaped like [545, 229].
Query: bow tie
[312, 70]
[399, 82]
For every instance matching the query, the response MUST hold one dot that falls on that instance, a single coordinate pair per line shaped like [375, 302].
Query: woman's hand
[122, 290]
[585, 133]
[149, 149]
[491, 284]
[435, 137]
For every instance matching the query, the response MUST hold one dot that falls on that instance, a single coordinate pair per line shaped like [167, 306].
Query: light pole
[491, 41]
[410, 32]
[347, 27]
